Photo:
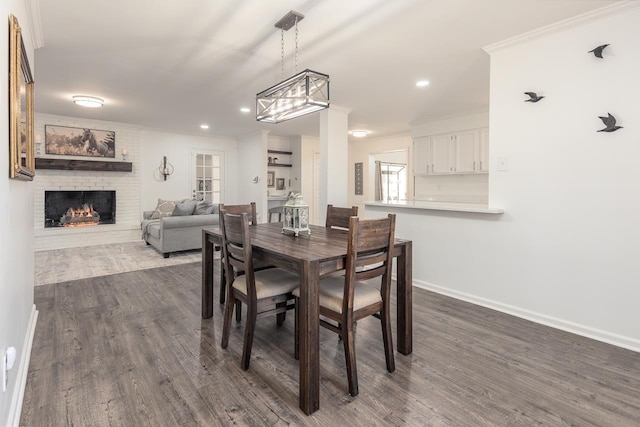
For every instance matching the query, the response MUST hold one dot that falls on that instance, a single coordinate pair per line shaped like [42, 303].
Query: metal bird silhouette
[533, 97]
[598, 51]
[610, 123]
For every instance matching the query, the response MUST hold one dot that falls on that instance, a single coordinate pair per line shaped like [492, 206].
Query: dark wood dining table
[310, 256]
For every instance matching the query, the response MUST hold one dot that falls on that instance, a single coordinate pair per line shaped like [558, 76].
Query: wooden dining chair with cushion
[339, 217]
[363, 291]
[277, 212]
[250, 210]
[264, 292]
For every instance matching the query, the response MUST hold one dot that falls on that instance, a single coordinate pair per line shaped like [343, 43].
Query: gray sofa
[176, 233]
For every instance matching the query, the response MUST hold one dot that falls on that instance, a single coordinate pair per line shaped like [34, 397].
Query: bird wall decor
[610, 123]
[533, 97]
[598, 51]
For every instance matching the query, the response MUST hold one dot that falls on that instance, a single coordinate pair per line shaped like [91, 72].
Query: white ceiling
[176, 64]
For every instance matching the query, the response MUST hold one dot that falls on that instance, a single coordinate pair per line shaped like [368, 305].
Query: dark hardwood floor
[131, 350]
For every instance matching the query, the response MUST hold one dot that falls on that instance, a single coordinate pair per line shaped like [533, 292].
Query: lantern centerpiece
[296, 215]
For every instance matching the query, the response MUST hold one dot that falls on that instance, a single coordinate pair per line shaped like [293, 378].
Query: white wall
[572, 194]
[565, 252]
[17, 312]
[252, 162]
[178, 148]
[304, 148]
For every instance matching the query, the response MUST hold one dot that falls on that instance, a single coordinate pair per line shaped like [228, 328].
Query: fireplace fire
[79, 208]
[77, 217]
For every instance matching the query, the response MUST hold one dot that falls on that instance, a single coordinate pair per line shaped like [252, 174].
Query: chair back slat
[339, 217]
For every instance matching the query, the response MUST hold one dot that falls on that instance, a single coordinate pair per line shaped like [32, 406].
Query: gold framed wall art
[22, 164]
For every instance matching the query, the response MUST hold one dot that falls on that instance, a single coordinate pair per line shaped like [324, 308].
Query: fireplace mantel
[83, 165]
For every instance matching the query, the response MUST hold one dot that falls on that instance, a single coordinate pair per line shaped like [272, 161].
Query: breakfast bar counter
[438, 206]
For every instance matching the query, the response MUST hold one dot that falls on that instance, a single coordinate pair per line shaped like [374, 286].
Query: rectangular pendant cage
[304, 93]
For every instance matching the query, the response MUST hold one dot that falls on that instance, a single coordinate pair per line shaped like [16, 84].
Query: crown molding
[35, 23]
[613, 9]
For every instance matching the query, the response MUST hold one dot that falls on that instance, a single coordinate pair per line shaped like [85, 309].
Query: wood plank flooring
[131, 349]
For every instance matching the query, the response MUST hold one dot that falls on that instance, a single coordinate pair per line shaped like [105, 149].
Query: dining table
[310, 255]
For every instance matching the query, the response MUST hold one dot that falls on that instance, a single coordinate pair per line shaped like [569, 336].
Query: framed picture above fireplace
[70, 141]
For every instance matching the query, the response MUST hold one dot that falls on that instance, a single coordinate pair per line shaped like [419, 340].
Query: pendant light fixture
[303, 93]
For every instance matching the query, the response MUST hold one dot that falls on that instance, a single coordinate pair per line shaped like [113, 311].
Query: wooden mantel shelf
[83, 165]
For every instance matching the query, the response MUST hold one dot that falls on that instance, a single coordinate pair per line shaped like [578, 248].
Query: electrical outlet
[8, 359]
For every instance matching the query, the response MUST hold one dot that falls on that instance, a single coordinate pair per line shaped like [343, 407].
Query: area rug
[62, 265]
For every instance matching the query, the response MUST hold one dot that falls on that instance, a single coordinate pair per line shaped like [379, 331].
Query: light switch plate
[503, 164]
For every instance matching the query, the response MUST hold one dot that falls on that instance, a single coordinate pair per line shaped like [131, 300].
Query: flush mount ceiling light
[359, 133]
[301, 94]
[88, 101]
[245, 110]
[422, 83]
[204, 126]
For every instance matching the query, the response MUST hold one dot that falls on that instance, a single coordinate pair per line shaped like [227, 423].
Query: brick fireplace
[79, 208]
[84, 185]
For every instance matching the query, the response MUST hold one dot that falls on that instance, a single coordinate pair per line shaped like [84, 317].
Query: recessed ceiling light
[245, 110]
[422, 83]
[88, 101]
[204, 126]
[359, 133]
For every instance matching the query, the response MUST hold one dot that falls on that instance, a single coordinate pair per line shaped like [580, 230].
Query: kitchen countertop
[438, 206]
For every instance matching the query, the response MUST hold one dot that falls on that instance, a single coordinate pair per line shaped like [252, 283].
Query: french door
[207, 175]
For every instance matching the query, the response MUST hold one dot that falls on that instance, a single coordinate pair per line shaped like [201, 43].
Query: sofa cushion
[154, 230]
[164, 208]
[204, 207]
[184, 208]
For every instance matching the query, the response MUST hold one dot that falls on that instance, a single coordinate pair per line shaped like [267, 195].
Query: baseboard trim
[554, 322]
[18, 395]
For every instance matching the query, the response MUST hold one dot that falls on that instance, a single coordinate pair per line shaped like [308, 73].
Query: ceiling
[175, 65]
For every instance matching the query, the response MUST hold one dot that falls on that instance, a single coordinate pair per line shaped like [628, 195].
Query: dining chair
[363, 291]
[250, 210]
[339, 217]
[264, 292]
[276, 210]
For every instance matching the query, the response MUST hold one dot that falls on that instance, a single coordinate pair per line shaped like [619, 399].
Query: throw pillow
[204, 208]
[164, 208]
[184, 208]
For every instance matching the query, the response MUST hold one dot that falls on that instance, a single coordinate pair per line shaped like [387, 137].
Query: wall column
[333, 158]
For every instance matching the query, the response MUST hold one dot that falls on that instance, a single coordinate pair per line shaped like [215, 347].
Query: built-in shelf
[279, 165]
[83, 165]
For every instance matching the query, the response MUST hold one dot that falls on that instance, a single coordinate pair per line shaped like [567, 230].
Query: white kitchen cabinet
[466, 151]
[441, 154]
[463, 152]
[421, 156]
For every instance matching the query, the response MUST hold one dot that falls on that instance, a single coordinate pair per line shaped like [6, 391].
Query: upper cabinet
[421, 156]
[464, 152]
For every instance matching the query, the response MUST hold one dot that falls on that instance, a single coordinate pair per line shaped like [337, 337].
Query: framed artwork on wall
[280, 184]
[22, 164]
[271, 179]
[70, 141]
